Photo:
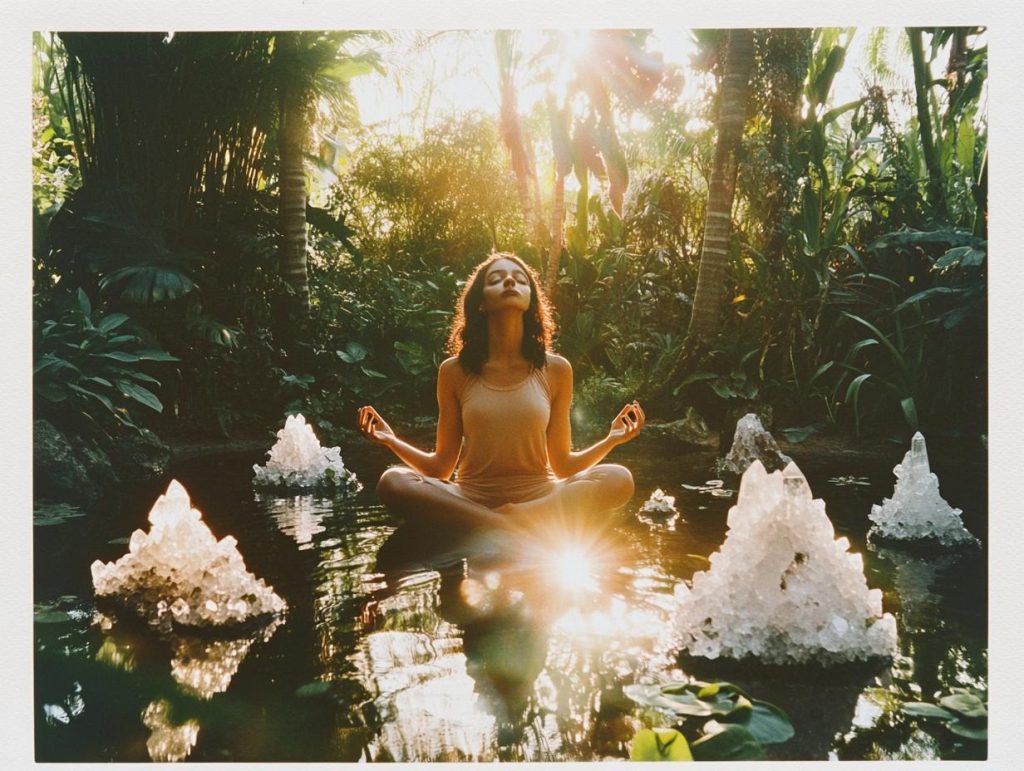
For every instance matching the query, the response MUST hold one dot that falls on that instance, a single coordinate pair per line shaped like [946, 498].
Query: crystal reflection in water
[205, 667]
[167, 742]
[935, 659]
[300, 517]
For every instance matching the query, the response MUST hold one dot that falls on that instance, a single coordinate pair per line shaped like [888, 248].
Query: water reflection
[201, 665]
[72, 706]
[491, 659]
[416, 671]
[421, 648]
[300, 517]
[168, 743]
[205, 667]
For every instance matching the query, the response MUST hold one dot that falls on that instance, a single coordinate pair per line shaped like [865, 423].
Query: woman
[503, 401]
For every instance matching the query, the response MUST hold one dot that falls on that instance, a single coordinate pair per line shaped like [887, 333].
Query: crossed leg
[577, 500]
[424, 500]
[418, 498]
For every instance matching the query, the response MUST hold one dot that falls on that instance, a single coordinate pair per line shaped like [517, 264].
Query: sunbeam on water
[572, 570]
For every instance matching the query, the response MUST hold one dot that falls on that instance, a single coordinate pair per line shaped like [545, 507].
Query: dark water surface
[477, 660]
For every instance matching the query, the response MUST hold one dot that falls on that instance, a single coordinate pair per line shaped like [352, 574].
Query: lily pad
[969, 729]
[966, 704]
[727, 742]
[767, 723]
[655, 744]
[924, 709]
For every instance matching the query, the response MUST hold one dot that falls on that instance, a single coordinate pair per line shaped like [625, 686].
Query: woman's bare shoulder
[558, 364]
[451, 371]
[559, 369]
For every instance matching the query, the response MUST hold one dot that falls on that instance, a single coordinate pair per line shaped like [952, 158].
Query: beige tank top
[505, 434]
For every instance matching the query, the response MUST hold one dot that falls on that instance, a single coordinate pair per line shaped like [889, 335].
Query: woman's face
[506, 287]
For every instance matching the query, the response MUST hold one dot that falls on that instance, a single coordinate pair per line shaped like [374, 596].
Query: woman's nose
[509, 281]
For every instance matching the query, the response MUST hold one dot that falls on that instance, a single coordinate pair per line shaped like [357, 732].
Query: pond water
[421, 656]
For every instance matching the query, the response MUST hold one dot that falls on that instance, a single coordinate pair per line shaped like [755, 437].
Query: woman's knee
[617, 483]
[393, 483]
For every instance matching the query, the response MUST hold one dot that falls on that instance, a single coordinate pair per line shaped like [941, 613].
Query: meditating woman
[503, 417]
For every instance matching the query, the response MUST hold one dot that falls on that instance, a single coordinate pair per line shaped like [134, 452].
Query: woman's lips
[510, 293]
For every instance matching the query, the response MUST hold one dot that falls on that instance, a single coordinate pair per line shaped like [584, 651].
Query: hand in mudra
[374, 427]
[627, 423]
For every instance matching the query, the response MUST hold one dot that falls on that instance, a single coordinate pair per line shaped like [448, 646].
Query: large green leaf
[926, 294]
[964, 256]
[968, 729]
[353, 353]
[767, 723]
[111, 322]
[659, 744]
[156, 355]
[966, 704]
[93, 395]
[144, 284]
[908, 237]
[924, 709]
[128, 358]
[140, 394]
[732, 742]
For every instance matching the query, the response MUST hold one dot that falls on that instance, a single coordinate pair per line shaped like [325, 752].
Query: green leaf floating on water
[969, 729]
[765, 722]
[44, 514]
[967, 704]
[924, 709]
[309, 690]
[659, 744]
[728, 742]
[50, 616]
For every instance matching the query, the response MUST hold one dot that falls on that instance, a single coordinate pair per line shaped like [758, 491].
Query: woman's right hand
[374, 427]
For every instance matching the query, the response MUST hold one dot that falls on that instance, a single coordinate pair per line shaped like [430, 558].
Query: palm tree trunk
[292, 200]
[707, 301]
[512, 134]
[922, 86]
[557, 236]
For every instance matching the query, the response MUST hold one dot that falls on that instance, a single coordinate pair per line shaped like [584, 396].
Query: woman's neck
[505, 338]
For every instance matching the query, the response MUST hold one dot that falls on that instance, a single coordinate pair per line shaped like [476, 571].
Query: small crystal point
[917, 511]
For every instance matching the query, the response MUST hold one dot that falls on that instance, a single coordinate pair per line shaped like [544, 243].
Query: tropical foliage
[851, 282]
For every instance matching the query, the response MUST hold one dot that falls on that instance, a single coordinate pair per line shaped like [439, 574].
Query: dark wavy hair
[468, 336]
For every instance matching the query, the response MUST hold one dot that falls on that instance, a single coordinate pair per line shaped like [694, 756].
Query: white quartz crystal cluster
[916, 511]
[179, 573]
[298, 460]
[752, 442]
[660, 503]
[782, 588]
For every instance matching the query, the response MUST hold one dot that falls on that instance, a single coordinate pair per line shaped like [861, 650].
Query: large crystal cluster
[179, 573]
[782, 588]
[916, 511]
[752, 442]
[298, 460]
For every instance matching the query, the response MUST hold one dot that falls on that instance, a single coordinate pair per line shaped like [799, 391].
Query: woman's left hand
[627, 423]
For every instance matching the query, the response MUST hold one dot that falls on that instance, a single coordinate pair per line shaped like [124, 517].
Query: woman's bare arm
[564, 462]
[441, 462]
